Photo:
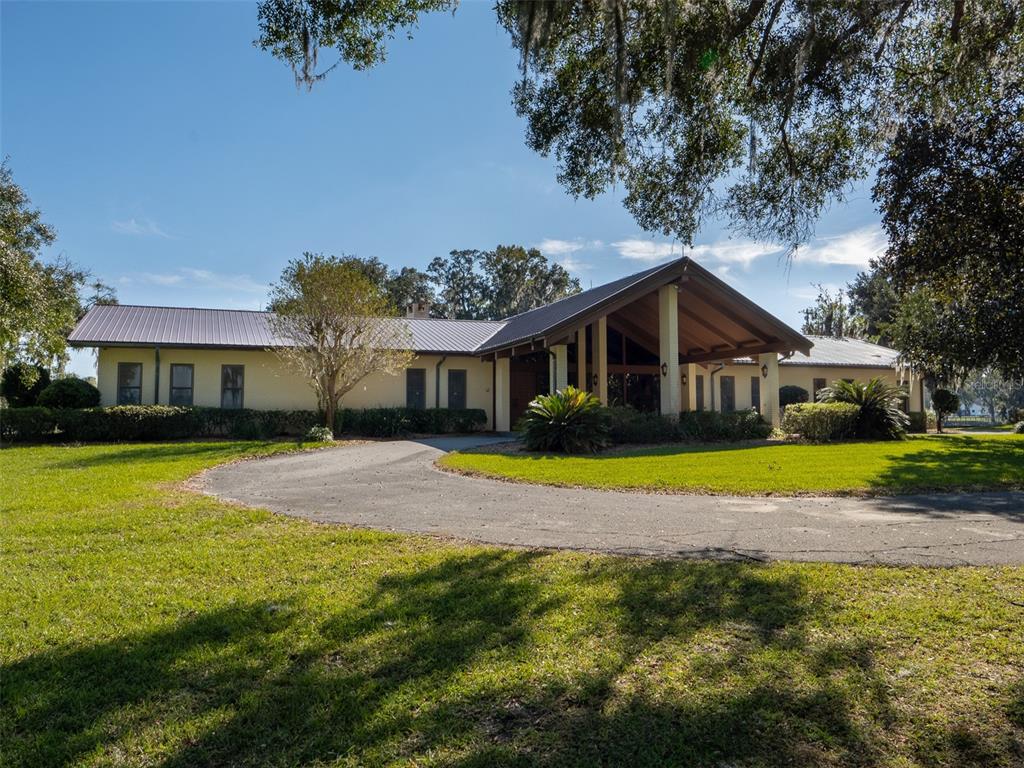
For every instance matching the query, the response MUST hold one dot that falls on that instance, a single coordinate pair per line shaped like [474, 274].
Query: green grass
[144, 625]
[915, 464]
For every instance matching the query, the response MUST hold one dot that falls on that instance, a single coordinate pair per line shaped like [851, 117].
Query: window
[457, 389]
[755, 393]
[728, 394]
[700, 393]
[819, 384]
[232, 385]
[415, 387]
[129, 383]
[181, 384]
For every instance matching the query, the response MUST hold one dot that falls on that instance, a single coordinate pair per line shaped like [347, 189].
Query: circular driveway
[394, 486]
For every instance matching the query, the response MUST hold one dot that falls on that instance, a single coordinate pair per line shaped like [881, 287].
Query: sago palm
[568, 421]
[881, 407]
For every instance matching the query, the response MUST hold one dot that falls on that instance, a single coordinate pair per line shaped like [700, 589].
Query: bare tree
[335, 327]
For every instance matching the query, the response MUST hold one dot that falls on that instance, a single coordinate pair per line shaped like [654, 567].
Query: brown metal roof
[130, 325]
[715, 321]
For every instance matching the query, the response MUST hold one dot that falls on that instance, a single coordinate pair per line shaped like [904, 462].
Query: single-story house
[671, 338]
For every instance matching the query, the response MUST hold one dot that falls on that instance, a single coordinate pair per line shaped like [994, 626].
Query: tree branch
[764, 41]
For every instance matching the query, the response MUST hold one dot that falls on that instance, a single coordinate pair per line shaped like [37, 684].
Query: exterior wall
[269, 386]
[791, 375]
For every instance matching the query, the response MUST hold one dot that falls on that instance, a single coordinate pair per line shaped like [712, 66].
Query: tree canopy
[763, 110]
[339, 325]
[492, 285]
[39, 301]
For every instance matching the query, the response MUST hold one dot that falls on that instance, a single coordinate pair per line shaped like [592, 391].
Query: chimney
[418, 309]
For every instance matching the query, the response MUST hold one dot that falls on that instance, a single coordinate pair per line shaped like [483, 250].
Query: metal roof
[532, 323]
[848, 353]
[129, 325]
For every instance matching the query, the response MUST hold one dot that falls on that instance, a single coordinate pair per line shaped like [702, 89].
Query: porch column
[558, 366]
[502, 395]
[691, 387]
[668, 342]
[601, 359]
[770, 388]
[581, 358]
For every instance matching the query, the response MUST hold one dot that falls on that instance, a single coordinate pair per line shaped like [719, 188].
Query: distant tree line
[471, 284]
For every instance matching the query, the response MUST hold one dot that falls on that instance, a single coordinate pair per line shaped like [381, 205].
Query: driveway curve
[394, 486]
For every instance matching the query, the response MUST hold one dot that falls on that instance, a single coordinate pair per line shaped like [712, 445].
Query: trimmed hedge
[69, 393]
[792, 394]
[630, 426]
[168, 422]
[391, 422]
[27, 425]
[821, 422]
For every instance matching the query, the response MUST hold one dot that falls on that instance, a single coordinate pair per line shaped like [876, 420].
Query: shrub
[945, 403]
[319, 434]
[31, 424]
[918, 422]
[69, 393]
[1018, 428]
[790, 394]
[881, 413]
[22, 383]
[821, 422]
[391, 422]
[712, 426]
[629, 426]
[568, 421]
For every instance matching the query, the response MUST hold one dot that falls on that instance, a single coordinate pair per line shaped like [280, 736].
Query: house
[671, 338]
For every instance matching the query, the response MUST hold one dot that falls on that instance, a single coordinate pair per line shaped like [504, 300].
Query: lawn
[916, 464]
[141, 624]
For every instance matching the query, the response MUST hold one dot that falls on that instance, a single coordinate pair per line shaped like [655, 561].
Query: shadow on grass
[129, 454]
[962, 461]
[474, 661]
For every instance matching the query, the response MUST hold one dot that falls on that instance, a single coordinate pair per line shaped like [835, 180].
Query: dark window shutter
[728, 394]
[456, 389]
[700, 393]
[755, 393]
[415, 387]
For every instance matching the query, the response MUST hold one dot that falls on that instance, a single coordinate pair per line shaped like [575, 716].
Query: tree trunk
[329, 409]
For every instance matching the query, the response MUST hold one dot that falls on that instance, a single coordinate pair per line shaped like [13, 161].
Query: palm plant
[568, 421]
[881, 412]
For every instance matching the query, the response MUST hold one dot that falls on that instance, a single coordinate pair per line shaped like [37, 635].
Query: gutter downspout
[494, 393]
[711, 384]
[156, 378]
[437, 381]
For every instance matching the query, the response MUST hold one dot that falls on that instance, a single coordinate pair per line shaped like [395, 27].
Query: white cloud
[574, 265]
[554, 247]
[140, 227]
[197, 279]
[646, 250]
[741, 252]
[855, 248]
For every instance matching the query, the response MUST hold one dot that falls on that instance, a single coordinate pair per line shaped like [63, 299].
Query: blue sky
[181, 165]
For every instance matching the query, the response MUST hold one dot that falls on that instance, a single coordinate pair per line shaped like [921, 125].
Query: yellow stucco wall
[269, 386]
[798, 375]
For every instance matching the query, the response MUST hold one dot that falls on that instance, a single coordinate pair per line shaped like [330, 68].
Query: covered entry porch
[653, 341]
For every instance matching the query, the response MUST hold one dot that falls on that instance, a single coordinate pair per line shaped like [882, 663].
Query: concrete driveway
[394, 486]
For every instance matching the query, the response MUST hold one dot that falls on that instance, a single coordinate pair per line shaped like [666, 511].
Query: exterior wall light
[764, 371]
[664, 369]
[683, 379]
